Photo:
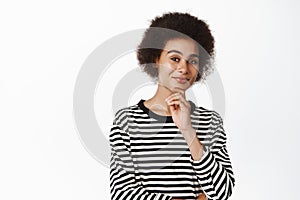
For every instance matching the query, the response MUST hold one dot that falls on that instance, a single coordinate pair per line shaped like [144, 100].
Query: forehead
[184, 45]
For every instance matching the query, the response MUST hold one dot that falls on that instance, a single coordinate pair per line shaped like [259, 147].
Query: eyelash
[190, 61]
[174, 59]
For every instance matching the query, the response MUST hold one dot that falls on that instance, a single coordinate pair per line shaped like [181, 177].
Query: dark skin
[177, 71]
[200, 197]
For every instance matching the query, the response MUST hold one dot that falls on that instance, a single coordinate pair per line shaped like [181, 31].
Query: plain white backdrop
[43, 45]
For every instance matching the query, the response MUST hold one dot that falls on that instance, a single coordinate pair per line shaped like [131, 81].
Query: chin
[183, 87]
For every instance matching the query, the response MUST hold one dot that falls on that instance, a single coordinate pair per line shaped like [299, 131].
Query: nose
[183, 67]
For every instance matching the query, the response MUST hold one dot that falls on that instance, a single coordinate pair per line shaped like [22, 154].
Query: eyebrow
[176, 51]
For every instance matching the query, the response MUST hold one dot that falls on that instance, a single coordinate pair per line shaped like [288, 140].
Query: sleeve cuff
[205, 164]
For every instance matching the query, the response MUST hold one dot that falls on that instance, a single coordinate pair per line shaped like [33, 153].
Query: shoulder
[119, 126]
[125, 113]
[206, 113]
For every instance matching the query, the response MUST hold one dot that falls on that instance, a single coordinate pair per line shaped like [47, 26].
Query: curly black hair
[174, 25]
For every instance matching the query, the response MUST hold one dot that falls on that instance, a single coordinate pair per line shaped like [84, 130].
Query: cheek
[165, 73]
[166, 69]
[195, 70]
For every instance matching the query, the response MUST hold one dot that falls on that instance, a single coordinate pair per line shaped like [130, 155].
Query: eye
[175, 59]
[193, 62]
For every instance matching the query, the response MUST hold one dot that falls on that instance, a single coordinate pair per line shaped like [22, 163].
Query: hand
[180, 109]
[201, 197]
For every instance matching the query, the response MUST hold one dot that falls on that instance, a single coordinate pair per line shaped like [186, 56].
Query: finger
[179, 90]
[173, 109]
[177, 105]
[174, 102]
[178, 99]
[176, 96]
[172, 96]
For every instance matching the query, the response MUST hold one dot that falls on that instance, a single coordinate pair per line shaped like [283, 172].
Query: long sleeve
[214, 170]
[123, 180]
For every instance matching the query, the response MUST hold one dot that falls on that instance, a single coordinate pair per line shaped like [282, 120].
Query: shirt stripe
[151, 160]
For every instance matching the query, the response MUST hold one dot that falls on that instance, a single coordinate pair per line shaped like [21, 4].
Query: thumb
[172, 108]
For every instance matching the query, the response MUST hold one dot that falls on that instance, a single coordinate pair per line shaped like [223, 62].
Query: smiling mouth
[181, 80]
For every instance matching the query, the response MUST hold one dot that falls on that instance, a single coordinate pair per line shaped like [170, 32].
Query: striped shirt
[150, 159]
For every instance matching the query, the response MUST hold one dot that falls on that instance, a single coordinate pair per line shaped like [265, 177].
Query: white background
[43, 45]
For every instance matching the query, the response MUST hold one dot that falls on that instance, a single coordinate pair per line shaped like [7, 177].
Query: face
[178, 64]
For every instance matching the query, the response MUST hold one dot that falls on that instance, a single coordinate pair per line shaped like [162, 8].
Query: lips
[181, 79]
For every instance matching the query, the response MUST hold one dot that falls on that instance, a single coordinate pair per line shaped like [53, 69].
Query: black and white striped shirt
[150, 159]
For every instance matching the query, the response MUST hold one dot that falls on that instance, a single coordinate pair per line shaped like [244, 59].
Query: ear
[155, 65]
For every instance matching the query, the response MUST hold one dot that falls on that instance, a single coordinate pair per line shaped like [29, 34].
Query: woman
[166, 147]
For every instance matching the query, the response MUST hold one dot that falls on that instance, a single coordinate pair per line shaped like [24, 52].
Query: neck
[157, 102]
[162, 93]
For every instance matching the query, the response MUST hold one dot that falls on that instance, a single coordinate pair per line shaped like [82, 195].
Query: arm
[123, 183]
[213, 167]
